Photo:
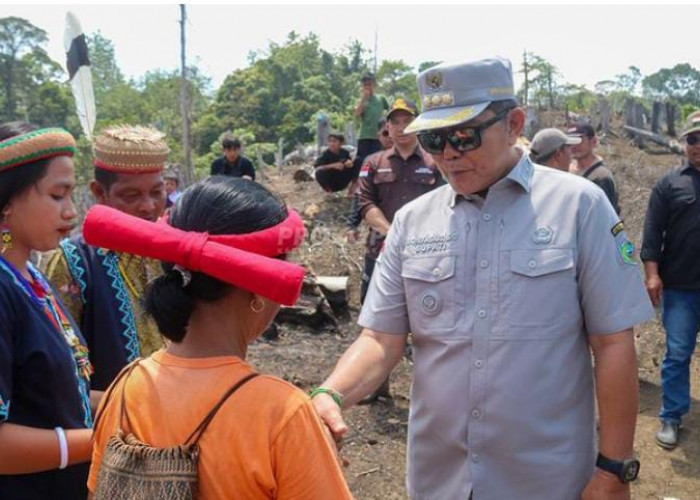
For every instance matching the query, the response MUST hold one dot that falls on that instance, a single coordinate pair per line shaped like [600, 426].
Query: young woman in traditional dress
[45, 416]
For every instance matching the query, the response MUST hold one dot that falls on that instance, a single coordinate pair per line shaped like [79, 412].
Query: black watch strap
[626, 470]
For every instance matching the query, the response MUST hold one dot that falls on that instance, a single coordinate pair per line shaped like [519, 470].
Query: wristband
[337, 397]
[62, 447]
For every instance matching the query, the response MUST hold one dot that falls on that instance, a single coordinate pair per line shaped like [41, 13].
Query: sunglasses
[692, 139]
[385, 133]
[461, 139]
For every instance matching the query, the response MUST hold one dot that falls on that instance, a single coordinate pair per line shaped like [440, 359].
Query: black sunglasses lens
[693, 139]
[465, 139]
[432, 143]
[385, 133]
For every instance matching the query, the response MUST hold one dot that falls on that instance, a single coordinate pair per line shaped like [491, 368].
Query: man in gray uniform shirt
[507, 278]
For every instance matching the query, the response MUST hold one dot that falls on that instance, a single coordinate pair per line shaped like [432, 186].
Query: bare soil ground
[376, 445]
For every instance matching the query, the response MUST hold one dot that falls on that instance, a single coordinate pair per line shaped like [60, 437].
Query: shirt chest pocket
[538, 291]
[384, 175]
[423, 176]
[430, 286]
[682, 197]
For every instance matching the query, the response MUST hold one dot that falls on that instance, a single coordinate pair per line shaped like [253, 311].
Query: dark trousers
[332, 180]
[365, 147]
[366, 277]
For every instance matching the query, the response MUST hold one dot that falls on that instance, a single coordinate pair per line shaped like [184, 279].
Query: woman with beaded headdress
[104, 290]
[45, 411]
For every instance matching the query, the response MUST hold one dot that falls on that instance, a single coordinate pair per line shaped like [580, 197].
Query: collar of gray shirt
[520, 174]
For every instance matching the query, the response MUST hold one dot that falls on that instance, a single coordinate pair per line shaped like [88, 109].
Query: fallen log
[670, 144]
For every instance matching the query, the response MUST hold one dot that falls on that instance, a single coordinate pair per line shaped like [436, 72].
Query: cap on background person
[401, 104]
[452, 94]
[548, 140]
[581, 130]
[692, 124]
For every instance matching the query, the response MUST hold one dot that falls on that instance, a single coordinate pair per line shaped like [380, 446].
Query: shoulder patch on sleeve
[617, 228]
[364, 171]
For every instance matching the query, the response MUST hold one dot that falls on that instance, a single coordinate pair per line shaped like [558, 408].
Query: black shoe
[667, 435]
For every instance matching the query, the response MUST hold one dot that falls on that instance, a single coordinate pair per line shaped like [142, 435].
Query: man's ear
[515, 122]
[99, 192]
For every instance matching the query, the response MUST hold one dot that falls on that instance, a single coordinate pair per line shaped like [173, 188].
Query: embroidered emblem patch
[434, 80]
[423, 170]
[617, 228]
[4, 410]
[430, 302]
[626, 249]
[430, 243]
[364, 171]
[542, 235]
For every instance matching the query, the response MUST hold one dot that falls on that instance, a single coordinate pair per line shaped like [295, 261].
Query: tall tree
[24, 64]
[680, 84]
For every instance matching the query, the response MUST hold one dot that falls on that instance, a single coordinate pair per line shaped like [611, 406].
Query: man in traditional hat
[670, 251]
[102, 289]
[552, 148]
[506, 280]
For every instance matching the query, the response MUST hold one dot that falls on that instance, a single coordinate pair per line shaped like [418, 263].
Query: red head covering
[243, 260]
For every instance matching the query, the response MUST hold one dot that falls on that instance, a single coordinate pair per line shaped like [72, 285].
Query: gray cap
[452, 94]
[548, 140]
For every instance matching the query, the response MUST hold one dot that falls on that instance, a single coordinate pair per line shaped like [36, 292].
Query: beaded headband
[128, 149]
[34, 146]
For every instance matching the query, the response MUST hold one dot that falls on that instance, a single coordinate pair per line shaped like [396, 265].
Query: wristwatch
[626, 470]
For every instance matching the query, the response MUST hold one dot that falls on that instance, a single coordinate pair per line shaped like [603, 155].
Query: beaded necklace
[40, 294]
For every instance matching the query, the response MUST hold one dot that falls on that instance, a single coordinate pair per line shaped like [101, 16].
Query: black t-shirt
[242, 166]
[328, 157]
[39, 387]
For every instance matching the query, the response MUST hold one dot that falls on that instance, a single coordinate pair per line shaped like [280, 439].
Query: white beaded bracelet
[62, 447]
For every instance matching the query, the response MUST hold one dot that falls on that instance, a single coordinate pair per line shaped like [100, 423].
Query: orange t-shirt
[265, 442]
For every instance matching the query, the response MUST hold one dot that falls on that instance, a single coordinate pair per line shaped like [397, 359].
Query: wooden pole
[184, 103]
[376, 40]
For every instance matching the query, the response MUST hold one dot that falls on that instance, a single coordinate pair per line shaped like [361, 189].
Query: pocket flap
[535, 263]
[431, 269]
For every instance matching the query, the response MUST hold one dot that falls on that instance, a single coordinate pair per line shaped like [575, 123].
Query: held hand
[352, 235]
[347, 163]
[605, 486]
[654, 289]
[330, 414]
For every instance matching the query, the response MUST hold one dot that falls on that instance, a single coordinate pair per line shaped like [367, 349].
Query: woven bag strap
[197, 433]
[110, 391]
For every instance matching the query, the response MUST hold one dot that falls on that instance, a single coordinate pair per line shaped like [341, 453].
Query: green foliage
[687, 109]
[286, 86]
[25, 69]
[396, 78]
[680, 84]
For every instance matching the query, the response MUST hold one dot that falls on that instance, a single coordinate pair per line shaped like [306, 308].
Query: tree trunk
[671, 118]
[656, 117]
[526, 85]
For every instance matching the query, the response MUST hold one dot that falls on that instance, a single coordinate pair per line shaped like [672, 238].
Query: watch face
[630, 470]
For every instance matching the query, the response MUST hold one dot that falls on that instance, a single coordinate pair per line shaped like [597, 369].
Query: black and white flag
[78, 66]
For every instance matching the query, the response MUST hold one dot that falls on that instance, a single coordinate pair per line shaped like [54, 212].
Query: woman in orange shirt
[225, 276]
